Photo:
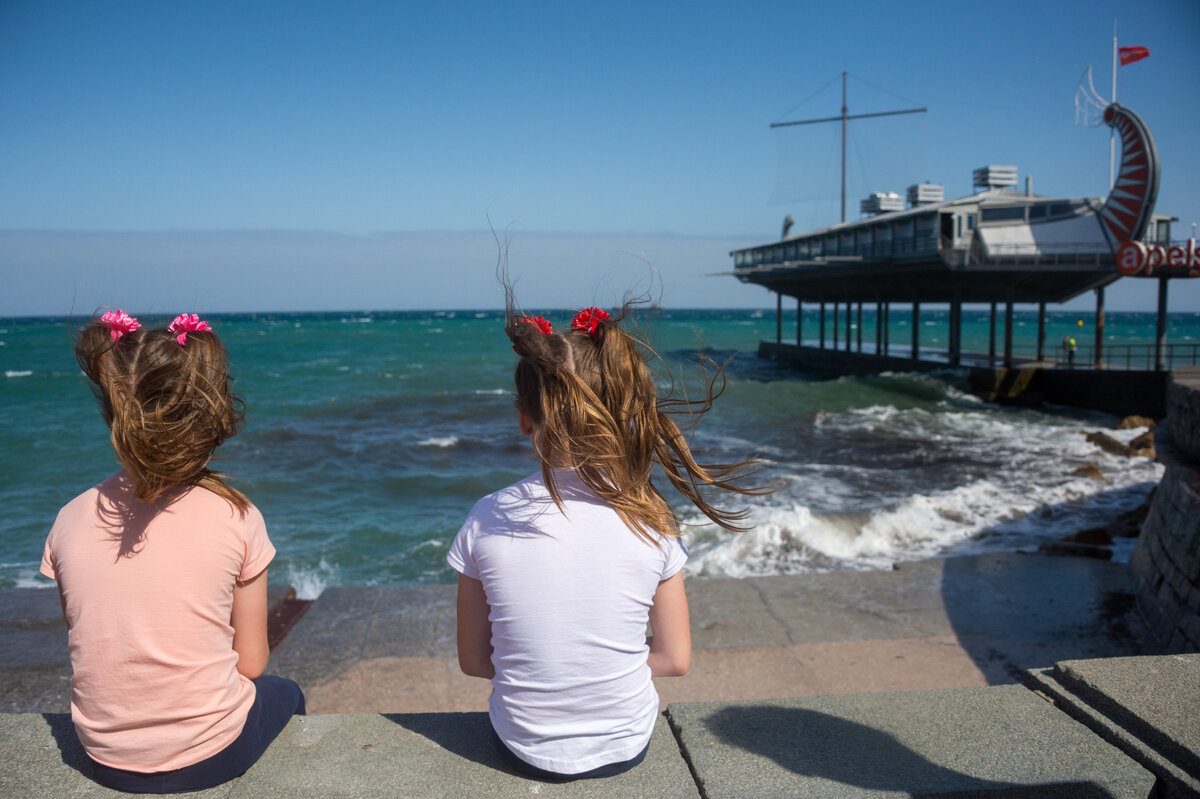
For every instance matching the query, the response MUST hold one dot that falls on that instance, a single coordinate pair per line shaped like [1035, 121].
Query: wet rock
[1090, 470]
[1143, 445]
[1074, 549]
[1129, 523]
[1109, 444]
[1093, 536]
[1131, 422]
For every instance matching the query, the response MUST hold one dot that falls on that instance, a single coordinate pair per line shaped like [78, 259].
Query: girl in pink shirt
[162, 572]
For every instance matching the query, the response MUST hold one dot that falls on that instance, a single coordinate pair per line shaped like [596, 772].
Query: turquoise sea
[369, 435]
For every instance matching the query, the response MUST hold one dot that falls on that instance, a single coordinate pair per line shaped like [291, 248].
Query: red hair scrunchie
[588, 320]
[539, 322]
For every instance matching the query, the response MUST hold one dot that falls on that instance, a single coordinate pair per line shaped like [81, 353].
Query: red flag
[1130, 54]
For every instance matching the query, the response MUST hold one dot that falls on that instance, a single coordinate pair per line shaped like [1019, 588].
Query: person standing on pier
[1069, 347]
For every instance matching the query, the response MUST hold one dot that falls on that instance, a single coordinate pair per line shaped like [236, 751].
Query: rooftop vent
[881, 202]
[925, 194]
[994, 177]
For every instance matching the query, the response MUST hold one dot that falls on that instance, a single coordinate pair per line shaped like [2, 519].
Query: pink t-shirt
[148, 593]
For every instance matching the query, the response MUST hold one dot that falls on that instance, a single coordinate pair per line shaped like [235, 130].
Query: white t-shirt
[569, 595]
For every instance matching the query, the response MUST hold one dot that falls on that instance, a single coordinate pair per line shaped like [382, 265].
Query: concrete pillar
[1008, 332]
[916, 331]
[849, 324]
[837, 308]
[822, 323]
[860, 326]
[1041, 347]
[799, 322]
[1160, 335]
[954, 343]
[1100, 328]
[887, 328]
[992, 336]
[778, 318]
[878, 327]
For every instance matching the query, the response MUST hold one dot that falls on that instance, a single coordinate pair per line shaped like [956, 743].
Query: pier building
[1000, 246]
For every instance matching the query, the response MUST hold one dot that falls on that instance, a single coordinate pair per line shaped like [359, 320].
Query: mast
[843, 145]
[1112, 142]
[844, 118]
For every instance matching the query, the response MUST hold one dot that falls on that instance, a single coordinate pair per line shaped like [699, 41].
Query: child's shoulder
[512, 500]
[111, 485]
[531, 487]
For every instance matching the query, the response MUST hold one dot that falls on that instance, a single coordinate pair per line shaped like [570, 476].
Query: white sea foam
[30, 579]
[1042, 490]
[309, 583]
[490, 391]
[17, 373]
[441, 441]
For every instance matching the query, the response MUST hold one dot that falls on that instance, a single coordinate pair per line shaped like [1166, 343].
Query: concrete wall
[1166, 562]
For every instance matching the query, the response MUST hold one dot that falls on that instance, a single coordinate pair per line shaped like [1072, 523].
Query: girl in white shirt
[560, 573]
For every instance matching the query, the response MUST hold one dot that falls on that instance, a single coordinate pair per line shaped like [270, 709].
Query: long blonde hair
[169, 406]
[592, 401]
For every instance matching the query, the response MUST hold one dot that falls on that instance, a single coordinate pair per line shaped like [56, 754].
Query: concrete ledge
[1146, 706]
[1003, 740]
[360, 756]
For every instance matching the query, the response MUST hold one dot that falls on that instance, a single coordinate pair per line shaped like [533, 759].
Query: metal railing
[1116, 356]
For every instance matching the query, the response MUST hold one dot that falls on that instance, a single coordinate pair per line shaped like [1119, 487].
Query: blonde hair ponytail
[168, 405]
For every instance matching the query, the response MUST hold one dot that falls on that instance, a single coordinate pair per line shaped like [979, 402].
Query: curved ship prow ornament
[1126, 214]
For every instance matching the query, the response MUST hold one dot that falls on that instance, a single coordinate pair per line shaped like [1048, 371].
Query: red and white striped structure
[1126, 212]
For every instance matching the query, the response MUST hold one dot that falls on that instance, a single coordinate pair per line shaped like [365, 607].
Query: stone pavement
[810, 685]
[957, 622]
[950, 623]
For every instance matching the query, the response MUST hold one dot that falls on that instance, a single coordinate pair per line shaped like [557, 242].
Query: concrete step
[1149, 707]
[1001, 740]
[360, 756]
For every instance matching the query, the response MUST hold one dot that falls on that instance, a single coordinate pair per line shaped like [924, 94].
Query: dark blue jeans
[275, 701]
[533, 772]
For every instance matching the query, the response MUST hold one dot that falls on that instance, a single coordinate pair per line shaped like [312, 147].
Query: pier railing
[1141, 356]
[1116, 356]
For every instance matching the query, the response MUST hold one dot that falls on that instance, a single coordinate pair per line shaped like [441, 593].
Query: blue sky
[304, 156]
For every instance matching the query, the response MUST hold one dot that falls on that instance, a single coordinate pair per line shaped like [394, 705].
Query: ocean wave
[310, 582]
[1043, 481]
[18, 372]
[439, 441]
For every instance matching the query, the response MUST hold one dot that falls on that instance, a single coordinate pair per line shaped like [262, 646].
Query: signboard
[1137, 259]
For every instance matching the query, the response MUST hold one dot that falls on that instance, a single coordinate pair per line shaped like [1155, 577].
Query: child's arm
[671, 632]
[249, 621]
[474, 630]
